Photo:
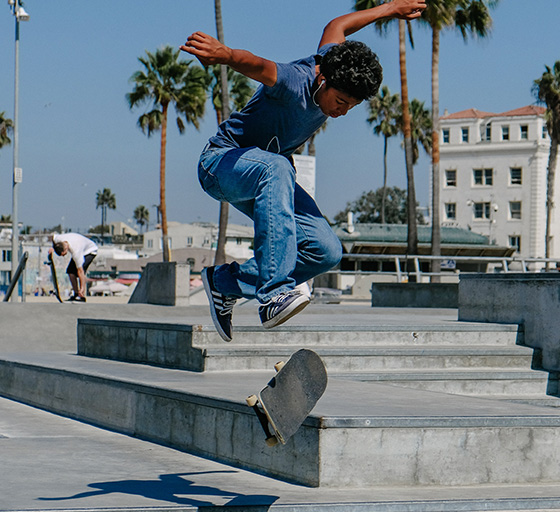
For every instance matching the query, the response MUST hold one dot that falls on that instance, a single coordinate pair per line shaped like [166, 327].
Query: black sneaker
[220, 306]
[282, 307]
[78, 298]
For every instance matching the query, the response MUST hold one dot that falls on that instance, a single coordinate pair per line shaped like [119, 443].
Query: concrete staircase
[471, 359]
[388, 417]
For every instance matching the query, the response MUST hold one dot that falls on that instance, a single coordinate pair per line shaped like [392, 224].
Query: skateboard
[54, 279]
[286, 401]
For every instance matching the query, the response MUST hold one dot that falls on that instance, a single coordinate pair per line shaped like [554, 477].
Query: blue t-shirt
[280, 118]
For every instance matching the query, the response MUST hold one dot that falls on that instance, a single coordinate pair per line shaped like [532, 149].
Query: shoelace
[227, 306]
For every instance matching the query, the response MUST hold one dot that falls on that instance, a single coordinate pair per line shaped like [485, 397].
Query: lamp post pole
[19, 14]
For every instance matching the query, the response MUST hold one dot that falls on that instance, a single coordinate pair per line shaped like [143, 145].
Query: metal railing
[449, 265]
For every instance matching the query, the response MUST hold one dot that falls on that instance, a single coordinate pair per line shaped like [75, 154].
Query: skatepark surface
[49, 462]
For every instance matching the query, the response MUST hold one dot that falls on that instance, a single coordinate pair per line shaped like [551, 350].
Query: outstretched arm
[210, 51]
[337, 30]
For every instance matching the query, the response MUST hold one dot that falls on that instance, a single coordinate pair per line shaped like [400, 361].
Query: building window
[483, 177]
[515, 176]
[6, 255]
[150, 244]
[239, 241]
[488, 132]
[445, 135]
[189, 241]
[505, 132]
[544, 131]
[450, 211]
[524, 132]
[451, 178]
[515, 210]
[481, 210]
[465, 134]
[515, 242]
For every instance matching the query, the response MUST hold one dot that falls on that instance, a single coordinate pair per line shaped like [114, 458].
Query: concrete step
[495, 382]
[199, 348]
[358, 436]
[363, 359]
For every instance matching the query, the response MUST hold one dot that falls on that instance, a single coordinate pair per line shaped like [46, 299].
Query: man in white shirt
[83, 251]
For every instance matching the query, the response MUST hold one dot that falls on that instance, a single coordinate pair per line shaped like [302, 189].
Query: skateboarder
[248, 163]
[83, 251]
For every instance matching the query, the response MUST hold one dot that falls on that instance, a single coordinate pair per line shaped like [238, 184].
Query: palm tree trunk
[224, 207]
[551, 175]
[384, 193]
[436, 222]
[162, 204]
[412, 237]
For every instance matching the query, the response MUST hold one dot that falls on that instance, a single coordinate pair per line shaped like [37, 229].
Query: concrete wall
[531, 300]
[165, 284]
[414, 295]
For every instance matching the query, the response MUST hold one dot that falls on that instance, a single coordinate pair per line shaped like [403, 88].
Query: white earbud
[320, 85]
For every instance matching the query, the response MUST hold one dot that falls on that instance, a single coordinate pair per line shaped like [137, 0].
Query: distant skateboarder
[248, 163]
[83, 251]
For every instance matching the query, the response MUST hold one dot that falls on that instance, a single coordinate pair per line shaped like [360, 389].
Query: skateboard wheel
[251, 400]
[279, 365]
[271, 441]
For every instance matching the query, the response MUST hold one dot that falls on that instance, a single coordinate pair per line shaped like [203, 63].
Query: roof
[392, 239]
[473, 113]
[398, 233]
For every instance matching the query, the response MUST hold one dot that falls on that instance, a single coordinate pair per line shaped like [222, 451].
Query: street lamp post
[20, 15]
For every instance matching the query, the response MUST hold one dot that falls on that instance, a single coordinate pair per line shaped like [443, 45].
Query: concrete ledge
[414, 295]
[530, 300]
[357, 437]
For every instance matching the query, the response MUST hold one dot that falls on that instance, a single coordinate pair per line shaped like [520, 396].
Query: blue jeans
[293, 241]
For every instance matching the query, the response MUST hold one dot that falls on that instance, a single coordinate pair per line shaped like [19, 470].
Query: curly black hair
[351, 67]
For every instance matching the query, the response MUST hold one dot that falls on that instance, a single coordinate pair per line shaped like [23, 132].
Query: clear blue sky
[78, 136]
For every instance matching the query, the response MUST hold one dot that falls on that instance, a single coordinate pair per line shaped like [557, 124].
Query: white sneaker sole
[293, 309]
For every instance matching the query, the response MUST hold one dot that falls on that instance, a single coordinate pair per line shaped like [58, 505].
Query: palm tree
[141, 216]
[224, 90]
[164, 81]
[6, 128]
[381, 25]
[105, 199]
[547, 90]
[420, 128]
[384, 109]
[469, 16]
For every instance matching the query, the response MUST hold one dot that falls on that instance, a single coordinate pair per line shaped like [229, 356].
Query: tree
[367, 208]
[239, 91]
[105, 199]
[469, 16]
[385, 110]
[420, 129]
[381, 25]
[547, 91]
[224, 91]
[166, 80]
[141, 216]
[6, 129]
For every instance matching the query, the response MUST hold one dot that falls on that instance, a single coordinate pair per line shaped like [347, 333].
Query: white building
[239, 239]
[493, 177]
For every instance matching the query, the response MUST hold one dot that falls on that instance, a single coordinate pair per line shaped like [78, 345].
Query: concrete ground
[49, 462]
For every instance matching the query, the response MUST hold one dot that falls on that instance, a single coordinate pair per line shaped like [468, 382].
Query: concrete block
[165, 284]
[530, 300]
[414, 295]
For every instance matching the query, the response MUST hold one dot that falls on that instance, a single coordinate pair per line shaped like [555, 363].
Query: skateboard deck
[286, 401]
[54, 279]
